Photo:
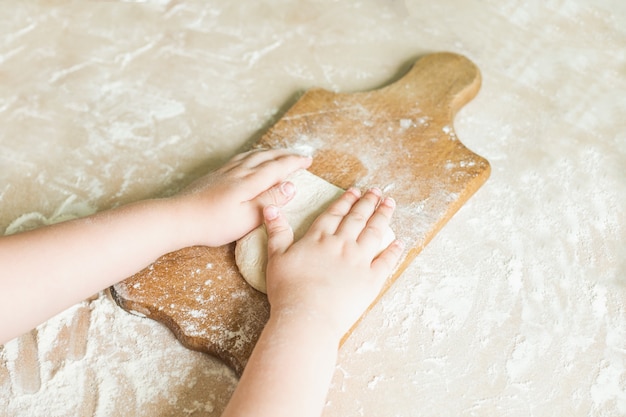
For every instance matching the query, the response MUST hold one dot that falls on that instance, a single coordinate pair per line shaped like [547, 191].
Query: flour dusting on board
[413, 219]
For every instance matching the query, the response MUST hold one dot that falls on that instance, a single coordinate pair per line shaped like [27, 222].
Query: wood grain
[399, 138]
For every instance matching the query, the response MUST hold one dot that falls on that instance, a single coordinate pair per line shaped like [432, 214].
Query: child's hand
[333, 273]
[224, 205]
[318, 287]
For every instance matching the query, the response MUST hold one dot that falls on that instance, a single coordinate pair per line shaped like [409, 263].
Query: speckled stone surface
[516, 308]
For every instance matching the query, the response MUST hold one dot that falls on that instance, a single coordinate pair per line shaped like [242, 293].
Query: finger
[354, 222]
[237, 161]
[329, 220]
[374, 231]
[244, 155]
[279, 233]
[280, 157]
[274, 171]
[278, 195]
[384, 264]
[255, 159]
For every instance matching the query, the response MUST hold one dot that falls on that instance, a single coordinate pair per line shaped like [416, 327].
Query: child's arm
[46, 270]
[318, 287]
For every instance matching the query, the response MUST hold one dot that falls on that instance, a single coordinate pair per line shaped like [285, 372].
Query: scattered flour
[120, 371]
[517, 305]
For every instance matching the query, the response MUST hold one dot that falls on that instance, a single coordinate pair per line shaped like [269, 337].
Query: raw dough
[312, 197]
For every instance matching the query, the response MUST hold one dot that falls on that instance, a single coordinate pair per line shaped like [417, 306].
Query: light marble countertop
[516, 308]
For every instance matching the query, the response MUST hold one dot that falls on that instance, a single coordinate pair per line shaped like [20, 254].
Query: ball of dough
[313, 196]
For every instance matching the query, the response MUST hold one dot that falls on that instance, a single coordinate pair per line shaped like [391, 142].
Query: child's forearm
[46, 270]
[49, 269]
[289, 371]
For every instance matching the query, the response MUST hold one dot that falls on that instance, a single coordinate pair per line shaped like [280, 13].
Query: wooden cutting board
[399, 138]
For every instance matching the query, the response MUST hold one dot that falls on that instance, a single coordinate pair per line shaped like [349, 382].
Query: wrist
[309, 321]
[182, 222]
[163, 220]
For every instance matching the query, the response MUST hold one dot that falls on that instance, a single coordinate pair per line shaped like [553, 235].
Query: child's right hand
[318, 287]
[334, 272]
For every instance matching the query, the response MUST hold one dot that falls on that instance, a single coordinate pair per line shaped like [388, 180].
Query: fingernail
[287, 188]
[271, 212]
[354, 191]
[390, 202]
[376, 191]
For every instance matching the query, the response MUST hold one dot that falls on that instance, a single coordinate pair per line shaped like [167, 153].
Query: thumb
[279, 233]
